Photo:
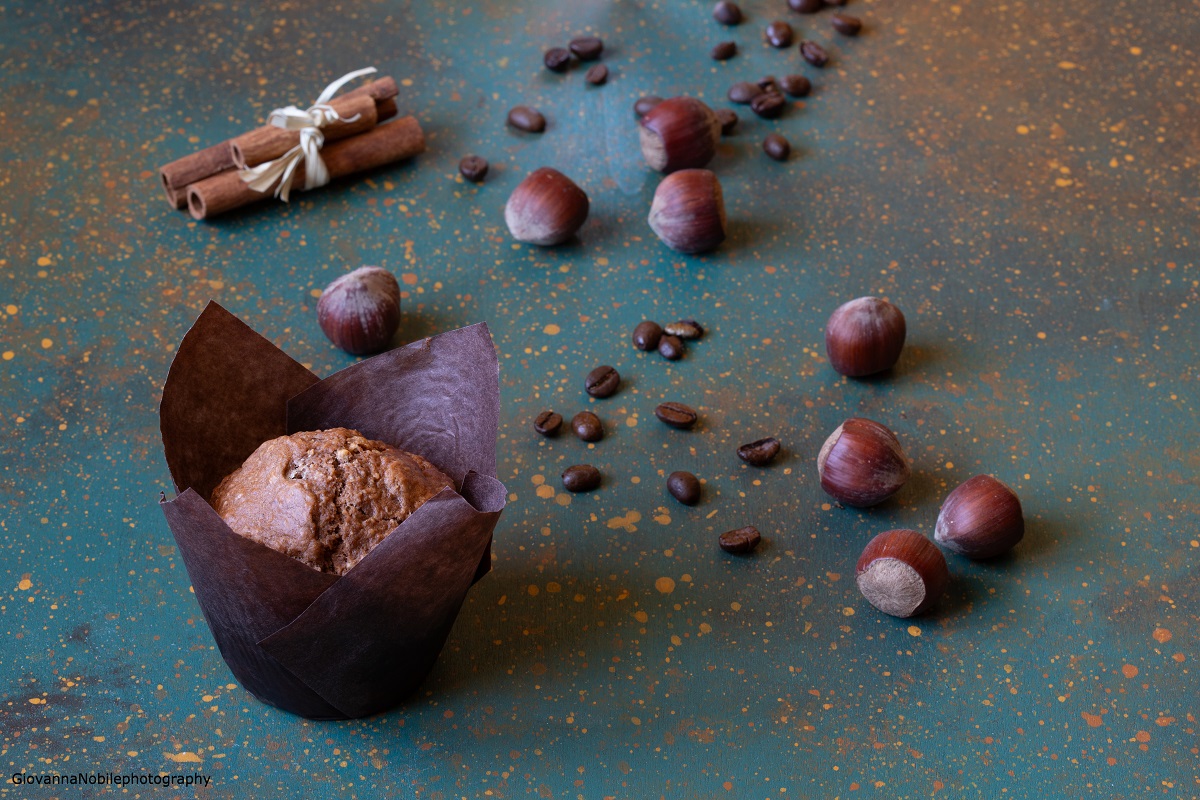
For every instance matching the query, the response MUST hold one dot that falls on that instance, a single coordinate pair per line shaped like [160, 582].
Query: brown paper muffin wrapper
[315, 644]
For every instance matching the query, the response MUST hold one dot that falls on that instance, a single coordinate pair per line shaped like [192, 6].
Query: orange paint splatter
[1162, 635]
[1129, 671]
[409, 279]
[1142, 736]
[1163, 722]
[1093, 720]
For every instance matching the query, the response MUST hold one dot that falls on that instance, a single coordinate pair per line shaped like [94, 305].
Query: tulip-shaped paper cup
[315, 644]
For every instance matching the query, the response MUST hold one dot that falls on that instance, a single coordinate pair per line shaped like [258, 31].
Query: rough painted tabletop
[1023, 182]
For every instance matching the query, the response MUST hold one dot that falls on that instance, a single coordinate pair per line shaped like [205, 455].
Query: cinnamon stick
[386, 109]
[382, 145]
[177, 175]
[381, 89]
[270, 142]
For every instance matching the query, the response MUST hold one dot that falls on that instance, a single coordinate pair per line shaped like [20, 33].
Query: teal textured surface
[1022, 183]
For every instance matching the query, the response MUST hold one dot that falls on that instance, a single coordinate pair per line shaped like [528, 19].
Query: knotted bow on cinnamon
[308, 152]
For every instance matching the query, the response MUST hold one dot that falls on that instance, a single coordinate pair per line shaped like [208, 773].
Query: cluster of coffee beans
[604, 381]
[766, 96]
[530, 120]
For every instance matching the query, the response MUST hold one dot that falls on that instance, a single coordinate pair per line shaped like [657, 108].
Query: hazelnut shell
[360, 311]
[679, 133]
[902, 573]
[861, 463]
[981, 518]
[547, 208]
[688, 212]
[864, 336]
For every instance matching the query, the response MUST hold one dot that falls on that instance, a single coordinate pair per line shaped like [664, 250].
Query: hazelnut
[901, 573]
[679, 133]
[688, 212]
[864, 336]
[861, 463]
[547, 208]
[980, 519]
[644, 104]
[360, 311]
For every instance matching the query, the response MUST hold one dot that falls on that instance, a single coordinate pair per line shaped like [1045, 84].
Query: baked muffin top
[325, 497]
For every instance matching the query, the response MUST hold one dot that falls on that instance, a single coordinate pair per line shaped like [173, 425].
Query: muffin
[325, 497]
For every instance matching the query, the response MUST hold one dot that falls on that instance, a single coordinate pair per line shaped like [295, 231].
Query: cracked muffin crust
[325, 497]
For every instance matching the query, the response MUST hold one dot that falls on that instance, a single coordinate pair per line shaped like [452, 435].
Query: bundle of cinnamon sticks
[208, 183]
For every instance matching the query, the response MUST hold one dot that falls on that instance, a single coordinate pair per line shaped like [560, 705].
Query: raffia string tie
[282, 171]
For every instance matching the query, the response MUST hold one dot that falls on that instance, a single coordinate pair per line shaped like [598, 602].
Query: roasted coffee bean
[846, 24]
[727, 13]
[760, 453]
[587, 48]
[580, 478]
[684, 487]
[724, 51]
[671, 347]
[686, 329]
[597, 75]
[646, 335]
[814, 54]
[779, 34]
[777, 147]
[557, 59]
[548, 423]
[740, 540]
[728, 120]
[744, 92]
[768, 84]
[644, 104]
[677, 415]
[527, 119]
[768, 105]
[602, 381]
[473, 168]
[806, 6]
[587, 426]
[796, 85]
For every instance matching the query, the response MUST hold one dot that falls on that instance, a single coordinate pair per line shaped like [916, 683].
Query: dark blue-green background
[1021, 178]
